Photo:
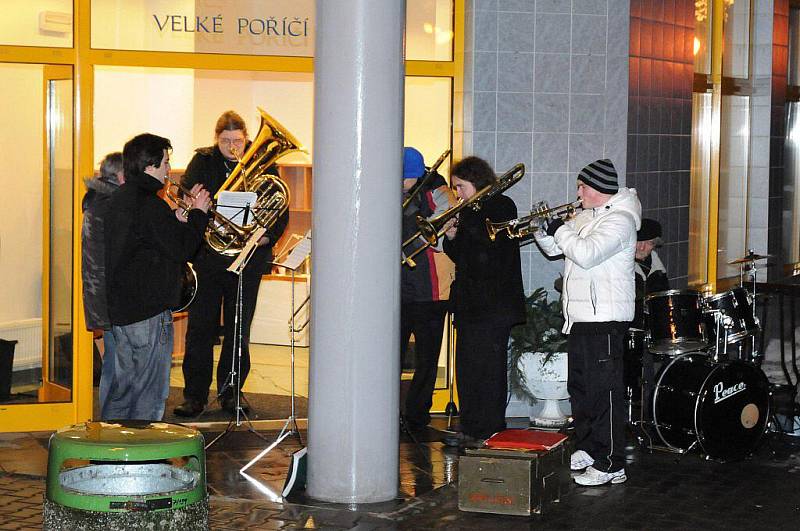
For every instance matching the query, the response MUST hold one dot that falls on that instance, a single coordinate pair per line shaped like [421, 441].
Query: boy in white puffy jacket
[598, 298]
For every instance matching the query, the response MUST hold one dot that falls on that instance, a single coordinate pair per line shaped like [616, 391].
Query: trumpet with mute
[431, 230]
[527, 225]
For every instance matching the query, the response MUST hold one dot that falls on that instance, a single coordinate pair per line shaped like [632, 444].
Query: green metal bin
[126, 475]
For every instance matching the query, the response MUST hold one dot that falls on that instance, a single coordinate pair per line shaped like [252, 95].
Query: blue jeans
[142, 358]
[107, 371]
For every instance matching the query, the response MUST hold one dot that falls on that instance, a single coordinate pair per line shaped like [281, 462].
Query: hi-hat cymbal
[750, 257]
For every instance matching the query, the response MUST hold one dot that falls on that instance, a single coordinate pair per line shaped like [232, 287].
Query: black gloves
[553, 225]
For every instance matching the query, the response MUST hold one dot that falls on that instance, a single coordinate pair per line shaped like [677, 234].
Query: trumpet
[185, 206]
[527, 225]
[431, 230]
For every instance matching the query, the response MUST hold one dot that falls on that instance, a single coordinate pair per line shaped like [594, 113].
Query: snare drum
[675, 322]
[736, 308]
[722, 406]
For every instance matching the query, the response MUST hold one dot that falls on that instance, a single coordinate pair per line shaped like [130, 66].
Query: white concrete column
[358, 139]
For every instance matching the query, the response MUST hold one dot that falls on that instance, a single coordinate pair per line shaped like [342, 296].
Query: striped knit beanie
[601, 176]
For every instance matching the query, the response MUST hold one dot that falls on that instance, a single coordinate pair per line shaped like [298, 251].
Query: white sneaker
[580, 460]
[593, 477]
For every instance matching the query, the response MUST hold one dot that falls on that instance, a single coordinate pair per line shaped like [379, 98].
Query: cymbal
[750, 257]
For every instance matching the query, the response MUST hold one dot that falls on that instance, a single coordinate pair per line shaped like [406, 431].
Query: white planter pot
[547, 381]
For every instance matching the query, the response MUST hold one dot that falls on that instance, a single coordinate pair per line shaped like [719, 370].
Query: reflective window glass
[286, 28]
[794, 47]
[36, 300]
[254, 27]
[702, 38]
[736, 31]
[429, 30]
[733, 183]
[37, 23]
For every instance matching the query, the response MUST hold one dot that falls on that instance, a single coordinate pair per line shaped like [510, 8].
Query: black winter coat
[93, 253]
[210, 168]
[146, 247]
[488, 285]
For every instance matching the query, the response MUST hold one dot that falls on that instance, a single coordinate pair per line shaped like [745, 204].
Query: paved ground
[664, 491]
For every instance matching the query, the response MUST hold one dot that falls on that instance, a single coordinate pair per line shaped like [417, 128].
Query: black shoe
[190, 408]
[463, 440]
[229, 405]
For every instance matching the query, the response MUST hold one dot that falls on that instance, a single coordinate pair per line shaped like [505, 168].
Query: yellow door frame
[82, 59]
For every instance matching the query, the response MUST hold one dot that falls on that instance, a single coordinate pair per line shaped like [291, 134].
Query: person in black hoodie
[146, 248]
[217, 287]
[487, 299]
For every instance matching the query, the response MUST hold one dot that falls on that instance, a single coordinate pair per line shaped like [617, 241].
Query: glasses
[231, 142]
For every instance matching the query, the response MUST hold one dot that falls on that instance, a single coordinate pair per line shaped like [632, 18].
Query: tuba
[272, 142]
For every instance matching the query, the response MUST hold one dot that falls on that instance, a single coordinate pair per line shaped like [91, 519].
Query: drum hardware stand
[450, 409]
[747, 264]
[233, 379]
[302, 252]
[722, 322]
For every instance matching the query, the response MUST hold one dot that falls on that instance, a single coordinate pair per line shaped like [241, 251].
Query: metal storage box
[510, 481]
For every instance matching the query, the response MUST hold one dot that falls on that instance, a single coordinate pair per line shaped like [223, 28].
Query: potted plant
[537, 360]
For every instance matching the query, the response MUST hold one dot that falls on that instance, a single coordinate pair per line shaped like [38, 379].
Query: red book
[525, 440]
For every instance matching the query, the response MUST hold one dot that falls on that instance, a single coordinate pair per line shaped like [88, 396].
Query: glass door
[36, 323]
[58, 234]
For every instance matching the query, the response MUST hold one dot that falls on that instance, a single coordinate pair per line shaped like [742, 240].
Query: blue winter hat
[413, 164]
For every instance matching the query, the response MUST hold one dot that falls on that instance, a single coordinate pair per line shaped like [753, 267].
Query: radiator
[28, 334]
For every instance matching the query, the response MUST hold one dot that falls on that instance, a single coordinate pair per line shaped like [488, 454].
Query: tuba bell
[271, 143]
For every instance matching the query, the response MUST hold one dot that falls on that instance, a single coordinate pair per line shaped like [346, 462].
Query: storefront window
[736, 31]
[733, 183]
[254, 27]
[281, 27]
[37, 23]
[429, 30]
[427, 117]
[702, 37]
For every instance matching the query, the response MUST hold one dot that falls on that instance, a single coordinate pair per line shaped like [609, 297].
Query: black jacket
[210, 168]
[93, 254]
[146, 247]
[488, 284]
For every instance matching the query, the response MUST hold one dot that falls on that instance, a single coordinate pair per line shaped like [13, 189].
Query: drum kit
[695, 372]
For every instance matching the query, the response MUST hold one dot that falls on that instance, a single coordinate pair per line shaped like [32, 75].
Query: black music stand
[296, 258]
[233, 379]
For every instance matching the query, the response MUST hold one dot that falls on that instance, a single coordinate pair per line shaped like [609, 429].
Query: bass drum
[722, 406]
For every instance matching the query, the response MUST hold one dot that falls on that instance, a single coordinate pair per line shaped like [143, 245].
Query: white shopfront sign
[252, 27]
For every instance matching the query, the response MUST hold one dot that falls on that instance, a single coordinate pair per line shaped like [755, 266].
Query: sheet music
[233, 205]
[298, 254]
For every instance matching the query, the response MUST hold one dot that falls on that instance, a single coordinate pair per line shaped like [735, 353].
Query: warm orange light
[696, 45]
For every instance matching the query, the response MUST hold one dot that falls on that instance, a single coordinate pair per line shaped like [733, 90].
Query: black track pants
[597, 392]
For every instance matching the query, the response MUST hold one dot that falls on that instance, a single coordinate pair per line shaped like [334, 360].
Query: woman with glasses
[217, 287]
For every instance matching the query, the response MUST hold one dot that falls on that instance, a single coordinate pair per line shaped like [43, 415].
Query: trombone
[431, 230]
[429, 173]
[527, 225]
